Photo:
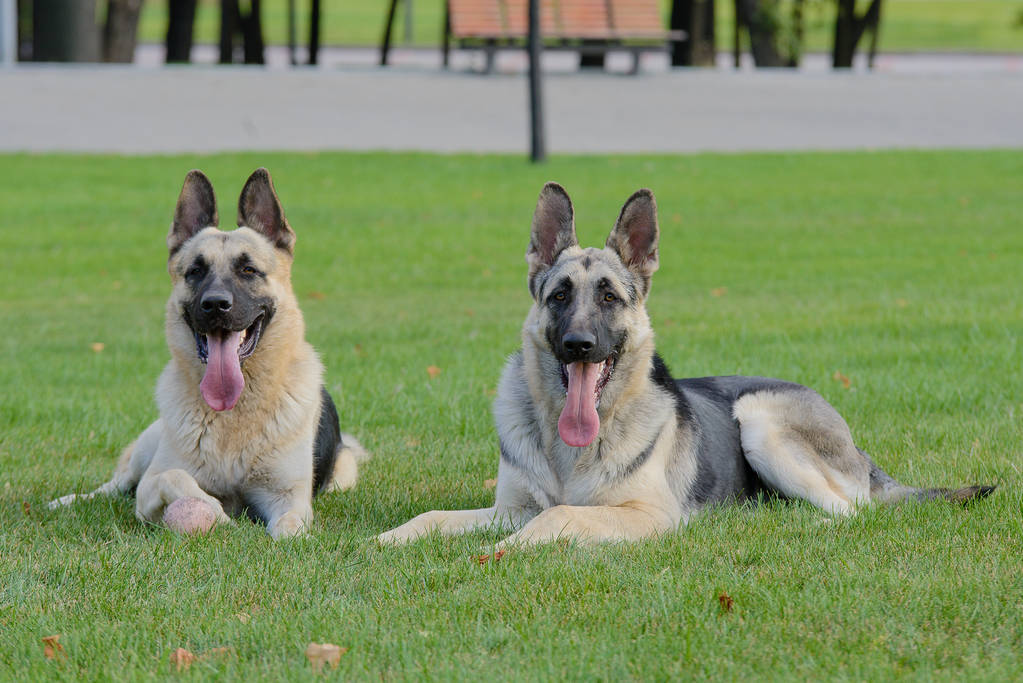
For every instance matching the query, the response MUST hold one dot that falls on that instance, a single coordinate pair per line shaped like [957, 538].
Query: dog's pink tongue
[579, 423]
[223, 382]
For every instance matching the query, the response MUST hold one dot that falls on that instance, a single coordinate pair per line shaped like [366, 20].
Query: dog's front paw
[288, 525]
[396, 536]
[419, 525]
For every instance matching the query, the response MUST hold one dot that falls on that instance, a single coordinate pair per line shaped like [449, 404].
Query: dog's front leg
[288, 511]
[157, 490]
[593, 524]
[446, 522]
[289, 515]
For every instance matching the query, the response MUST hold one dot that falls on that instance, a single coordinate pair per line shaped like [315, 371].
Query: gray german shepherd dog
[245, 421]
[599, 443]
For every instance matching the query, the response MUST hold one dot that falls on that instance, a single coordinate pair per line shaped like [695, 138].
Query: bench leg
[635, 63]
[446, 41]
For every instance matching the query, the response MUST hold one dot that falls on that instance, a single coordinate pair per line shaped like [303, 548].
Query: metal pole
[8, 32]
[538, 148]
[385, 42]
[291, 33]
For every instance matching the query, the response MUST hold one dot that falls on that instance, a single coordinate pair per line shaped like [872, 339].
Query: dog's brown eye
[248, 270]
[559, 296]
[609, 297]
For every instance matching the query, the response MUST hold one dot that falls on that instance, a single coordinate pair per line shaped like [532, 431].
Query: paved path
[151, 109]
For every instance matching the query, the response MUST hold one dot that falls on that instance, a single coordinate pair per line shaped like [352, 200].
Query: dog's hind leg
[801, 447]
[130, 467]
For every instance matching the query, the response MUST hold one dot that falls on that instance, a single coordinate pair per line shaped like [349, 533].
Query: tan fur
[664, 449]
[259, 451]
[557, 490]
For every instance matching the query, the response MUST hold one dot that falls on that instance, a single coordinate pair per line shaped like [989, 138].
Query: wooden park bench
[589, 27]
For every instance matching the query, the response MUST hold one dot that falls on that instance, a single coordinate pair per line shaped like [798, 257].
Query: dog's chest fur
[633, 434]
[232, 451]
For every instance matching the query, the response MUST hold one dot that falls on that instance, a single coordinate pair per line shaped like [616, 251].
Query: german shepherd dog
[599, 443]
[245, 421]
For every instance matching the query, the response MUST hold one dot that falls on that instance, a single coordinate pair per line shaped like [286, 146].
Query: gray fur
[665, 448]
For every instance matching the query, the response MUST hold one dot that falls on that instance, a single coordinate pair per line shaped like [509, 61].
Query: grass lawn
[907, 25]
[898, 270]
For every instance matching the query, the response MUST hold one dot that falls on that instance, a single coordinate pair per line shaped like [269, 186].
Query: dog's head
[227, 285]
[589, 319]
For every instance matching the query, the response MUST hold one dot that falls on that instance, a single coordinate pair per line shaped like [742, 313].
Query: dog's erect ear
[259, 209]
[553, 231]
[197, 209]
[634, 237]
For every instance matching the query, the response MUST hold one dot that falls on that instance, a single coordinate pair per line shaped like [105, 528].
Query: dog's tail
[884, 489]
[346, 467]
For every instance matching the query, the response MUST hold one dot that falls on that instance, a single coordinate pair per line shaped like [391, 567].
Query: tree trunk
[120, 30]
[64, 31]
[761, 33]
[249, 24]
[849, 29]
[230, 17]
[696, 18]
[252, 34]
[180, 23]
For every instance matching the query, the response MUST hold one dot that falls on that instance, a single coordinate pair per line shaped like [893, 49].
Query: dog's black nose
[216, 300]
[579, 343]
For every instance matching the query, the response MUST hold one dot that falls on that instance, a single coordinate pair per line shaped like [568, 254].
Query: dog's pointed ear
[553, 231]
[260, 209]
[634, 237]
[196, 209]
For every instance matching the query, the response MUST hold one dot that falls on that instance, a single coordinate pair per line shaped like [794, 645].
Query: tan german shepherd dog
[245, 421]
[599, 443]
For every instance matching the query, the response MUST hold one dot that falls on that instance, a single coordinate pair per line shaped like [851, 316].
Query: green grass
[907, 25]
[898, 269]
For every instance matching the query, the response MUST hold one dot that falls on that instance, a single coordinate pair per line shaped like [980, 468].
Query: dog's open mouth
[584, 384]
[247, 340]
[222, 351]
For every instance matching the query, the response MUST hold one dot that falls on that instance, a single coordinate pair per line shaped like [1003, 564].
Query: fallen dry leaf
[726, 602]
[839, 377]
[489, 483]
[483, 559]
[243, 617]
[52, 649]
[182, 659]
[97, 346]
[319, 296]
[719, 291]
[901, 303]
[359, 350]
[432, 371]
[26, 508]
[319, 654]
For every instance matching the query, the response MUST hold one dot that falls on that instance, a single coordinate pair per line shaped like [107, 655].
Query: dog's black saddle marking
[327, 444]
